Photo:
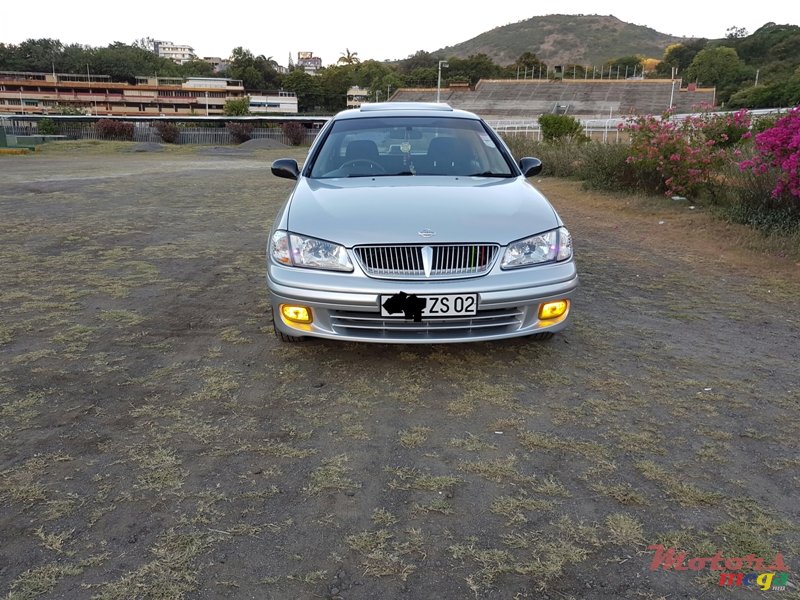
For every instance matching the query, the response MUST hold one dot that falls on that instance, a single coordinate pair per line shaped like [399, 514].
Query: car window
[383, 146]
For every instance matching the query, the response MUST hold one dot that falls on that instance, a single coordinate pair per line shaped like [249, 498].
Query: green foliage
[471, 69]
[592, 39]
[629, 64]
[168, 131]
[295, 132]
[240, 132]
[109, 129]
[604, 166]
[124, 63]
[237, 107]
[308, 90]
[559, 158]
[47, 127]
[256, 72]
[561, 127]
[718, 66]
[774, 95]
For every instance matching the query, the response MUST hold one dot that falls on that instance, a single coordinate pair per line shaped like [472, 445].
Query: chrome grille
[486, 323]
[421, 261]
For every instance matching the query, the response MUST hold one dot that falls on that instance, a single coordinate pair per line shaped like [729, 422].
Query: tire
[289, 339]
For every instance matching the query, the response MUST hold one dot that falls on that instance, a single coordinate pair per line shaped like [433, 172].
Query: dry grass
[160, 443]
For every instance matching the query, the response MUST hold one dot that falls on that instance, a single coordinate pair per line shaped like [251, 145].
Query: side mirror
[286, 168]
[530, 166]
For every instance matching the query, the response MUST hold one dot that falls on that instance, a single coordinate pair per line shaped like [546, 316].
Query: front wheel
[285, 337]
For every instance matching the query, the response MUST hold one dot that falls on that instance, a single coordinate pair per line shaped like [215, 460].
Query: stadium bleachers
[521, 99]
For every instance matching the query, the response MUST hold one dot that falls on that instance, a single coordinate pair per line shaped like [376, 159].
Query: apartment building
[179, 53]
[48, 93]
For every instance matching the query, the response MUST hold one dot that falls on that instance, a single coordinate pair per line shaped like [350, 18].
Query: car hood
[393, 210]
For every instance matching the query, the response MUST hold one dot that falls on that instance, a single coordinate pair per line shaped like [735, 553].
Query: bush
[295, 132]
[688, 154]
[559, 159]
[240, 132]
[237, 107]
[561, 127]
[778, 151]
[47, 127]
[605, 166]
[109, 129]
[169, 132]
[727, 129]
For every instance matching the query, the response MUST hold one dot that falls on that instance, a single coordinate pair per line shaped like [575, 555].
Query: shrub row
[748, 168]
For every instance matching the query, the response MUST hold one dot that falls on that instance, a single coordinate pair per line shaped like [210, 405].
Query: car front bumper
[346, 306]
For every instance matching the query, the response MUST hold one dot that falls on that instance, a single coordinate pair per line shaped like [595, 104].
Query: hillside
[565, 39]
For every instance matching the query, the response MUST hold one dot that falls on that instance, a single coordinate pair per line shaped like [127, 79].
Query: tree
[334, 82]
[679, 57]
[238, 107]
[349, 58]
[306, 87]
[471, 69]
[196, 68]
[124, 63]
[626, 65]
[243, 66]
[721, 67]
[734, 33]
[419, 60]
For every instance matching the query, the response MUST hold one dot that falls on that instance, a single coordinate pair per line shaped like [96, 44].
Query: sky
[380, 31]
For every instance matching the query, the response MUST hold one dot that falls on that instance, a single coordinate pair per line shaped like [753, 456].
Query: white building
[276, 102]
[356, 96]
[180, 53]
[308, 62]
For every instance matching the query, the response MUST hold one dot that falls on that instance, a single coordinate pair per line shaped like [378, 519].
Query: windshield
[385, 146]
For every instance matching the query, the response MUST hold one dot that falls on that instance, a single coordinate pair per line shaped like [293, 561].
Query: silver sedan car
[413, 223]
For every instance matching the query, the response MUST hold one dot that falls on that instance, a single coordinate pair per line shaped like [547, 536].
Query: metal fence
[144, 132]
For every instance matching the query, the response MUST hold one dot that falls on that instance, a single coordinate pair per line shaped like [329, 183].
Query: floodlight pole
[442, 63]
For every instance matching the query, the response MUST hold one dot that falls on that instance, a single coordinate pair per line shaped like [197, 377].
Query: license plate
[445, 305]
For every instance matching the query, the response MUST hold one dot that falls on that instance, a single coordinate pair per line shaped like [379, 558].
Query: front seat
[361, 150]
[448, 156]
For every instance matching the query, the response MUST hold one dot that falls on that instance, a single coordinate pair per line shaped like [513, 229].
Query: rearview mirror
[530, 166]
[404, 133]
[286, 168]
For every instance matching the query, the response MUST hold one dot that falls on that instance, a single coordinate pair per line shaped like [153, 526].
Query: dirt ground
[157, 441]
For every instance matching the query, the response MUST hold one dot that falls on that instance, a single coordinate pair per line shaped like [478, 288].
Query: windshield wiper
[491, 174]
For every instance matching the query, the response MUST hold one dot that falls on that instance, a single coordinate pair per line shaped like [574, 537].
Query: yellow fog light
[553, 310]
[296, 314]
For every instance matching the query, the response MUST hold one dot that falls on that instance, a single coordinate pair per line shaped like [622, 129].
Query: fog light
[553, 310]
[296, 314]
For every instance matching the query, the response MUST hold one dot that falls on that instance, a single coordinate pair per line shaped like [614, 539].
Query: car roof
[405, 109]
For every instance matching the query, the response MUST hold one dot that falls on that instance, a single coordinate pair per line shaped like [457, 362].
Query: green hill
[565, 39]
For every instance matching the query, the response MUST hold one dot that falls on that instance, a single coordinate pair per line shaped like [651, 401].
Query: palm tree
[349, 58]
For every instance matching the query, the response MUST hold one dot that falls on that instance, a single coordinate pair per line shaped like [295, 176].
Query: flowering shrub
[169, 132]
[688, 154]
[109, 129]
[240, 132]
[295, 132]
[778, 149]
[728, 129]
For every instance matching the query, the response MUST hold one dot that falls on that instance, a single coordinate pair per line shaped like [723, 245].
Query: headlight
[301, 251]
[555, 245]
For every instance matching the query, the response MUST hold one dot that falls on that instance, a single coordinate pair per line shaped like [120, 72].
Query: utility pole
[442, 63]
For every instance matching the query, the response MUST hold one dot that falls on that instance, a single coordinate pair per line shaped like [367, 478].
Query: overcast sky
[374, 30]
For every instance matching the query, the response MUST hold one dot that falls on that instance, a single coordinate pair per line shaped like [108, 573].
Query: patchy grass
[151, 422]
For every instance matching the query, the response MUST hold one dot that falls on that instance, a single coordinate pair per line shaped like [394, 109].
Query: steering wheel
[373, 166]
